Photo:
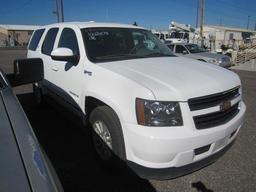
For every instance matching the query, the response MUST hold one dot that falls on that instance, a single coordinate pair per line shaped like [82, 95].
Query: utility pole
[61, 10]
[57, 11]
[202, 22]
[248, 22]
[197, 6]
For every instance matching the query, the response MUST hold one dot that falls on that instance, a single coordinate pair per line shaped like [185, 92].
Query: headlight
[213, 61]
[219, 61]
[158, 113]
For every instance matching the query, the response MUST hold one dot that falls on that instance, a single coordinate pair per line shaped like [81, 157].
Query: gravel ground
[68, 145]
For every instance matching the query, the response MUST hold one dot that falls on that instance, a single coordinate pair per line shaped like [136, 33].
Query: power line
[236, 7]
[242, 11]
[61, 11]
[197, 7]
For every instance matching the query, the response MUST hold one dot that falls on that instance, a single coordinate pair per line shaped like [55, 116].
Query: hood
[175, 78]
[210, 55]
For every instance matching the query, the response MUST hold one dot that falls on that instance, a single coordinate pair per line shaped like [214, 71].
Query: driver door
[70, 81]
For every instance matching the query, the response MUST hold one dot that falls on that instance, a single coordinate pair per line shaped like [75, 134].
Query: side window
[49, 41]
[35, 39]
[231, 36]
[170, 47]
[180, 49]
[68, 40]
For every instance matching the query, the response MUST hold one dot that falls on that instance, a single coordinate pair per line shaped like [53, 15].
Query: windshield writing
[109, 44]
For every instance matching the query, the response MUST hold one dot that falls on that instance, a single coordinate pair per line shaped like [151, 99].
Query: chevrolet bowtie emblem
[225, 106]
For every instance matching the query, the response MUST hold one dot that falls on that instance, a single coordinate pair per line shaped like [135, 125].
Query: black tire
[106, 115]
[38, 95]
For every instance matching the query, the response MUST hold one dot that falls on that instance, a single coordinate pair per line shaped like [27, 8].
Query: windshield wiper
[157, 54]
[118, 56]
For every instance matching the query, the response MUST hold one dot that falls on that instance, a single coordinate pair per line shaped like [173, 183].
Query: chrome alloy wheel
[102, 131]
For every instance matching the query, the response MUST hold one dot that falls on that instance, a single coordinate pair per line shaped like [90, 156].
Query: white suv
[166, 116]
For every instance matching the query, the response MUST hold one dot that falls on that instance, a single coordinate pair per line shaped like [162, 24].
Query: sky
[147, 13]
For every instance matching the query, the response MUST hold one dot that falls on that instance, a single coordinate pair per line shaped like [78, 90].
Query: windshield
[157, 34]
[176, 35]
[193, 48]
[110, 44]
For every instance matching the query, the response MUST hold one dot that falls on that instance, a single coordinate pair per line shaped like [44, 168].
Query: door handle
[55, 69]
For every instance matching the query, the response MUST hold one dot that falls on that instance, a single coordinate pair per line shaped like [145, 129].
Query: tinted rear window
[49, 41]
[35, 39]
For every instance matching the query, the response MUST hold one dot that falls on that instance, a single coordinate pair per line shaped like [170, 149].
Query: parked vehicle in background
[144, 104]
[196, 52]
[24, 165]
[181, 33]
[159, 35]
[178, 37]
[171, 37]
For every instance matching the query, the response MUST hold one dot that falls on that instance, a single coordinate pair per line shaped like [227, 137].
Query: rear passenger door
[50, 69]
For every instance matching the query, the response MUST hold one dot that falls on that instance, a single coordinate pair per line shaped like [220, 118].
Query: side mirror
[26, 71]
[64, 54]
[184, 52]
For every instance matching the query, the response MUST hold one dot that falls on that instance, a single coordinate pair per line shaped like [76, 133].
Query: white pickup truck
[164, 115]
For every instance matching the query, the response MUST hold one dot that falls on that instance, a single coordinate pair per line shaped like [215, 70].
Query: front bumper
[173, 148]
[174, 172]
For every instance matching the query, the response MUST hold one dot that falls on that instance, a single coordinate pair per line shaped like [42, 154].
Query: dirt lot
[70, 149]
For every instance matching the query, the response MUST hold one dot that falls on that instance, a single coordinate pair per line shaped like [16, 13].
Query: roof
[19, 27]
[230, 28]
[95, 24]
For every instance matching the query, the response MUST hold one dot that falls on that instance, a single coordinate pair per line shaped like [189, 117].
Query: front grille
[226, 59]
[216, 118]
[212, 100]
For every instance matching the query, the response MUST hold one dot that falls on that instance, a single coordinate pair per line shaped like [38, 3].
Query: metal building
[15, 35]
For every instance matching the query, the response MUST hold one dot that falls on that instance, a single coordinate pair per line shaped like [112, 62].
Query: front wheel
[107, 134]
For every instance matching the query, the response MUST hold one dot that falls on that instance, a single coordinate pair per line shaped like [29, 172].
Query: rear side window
[49, 41]
[35, 39]
[171, 47]
[180, 49]
[68, 40]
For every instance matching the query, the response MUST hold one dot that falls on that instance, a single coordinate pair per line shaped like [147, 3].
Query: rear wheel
[107, 134]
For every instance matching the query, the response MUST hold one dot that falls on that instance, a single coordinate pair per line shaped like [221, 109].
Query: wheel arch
[91, 102]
